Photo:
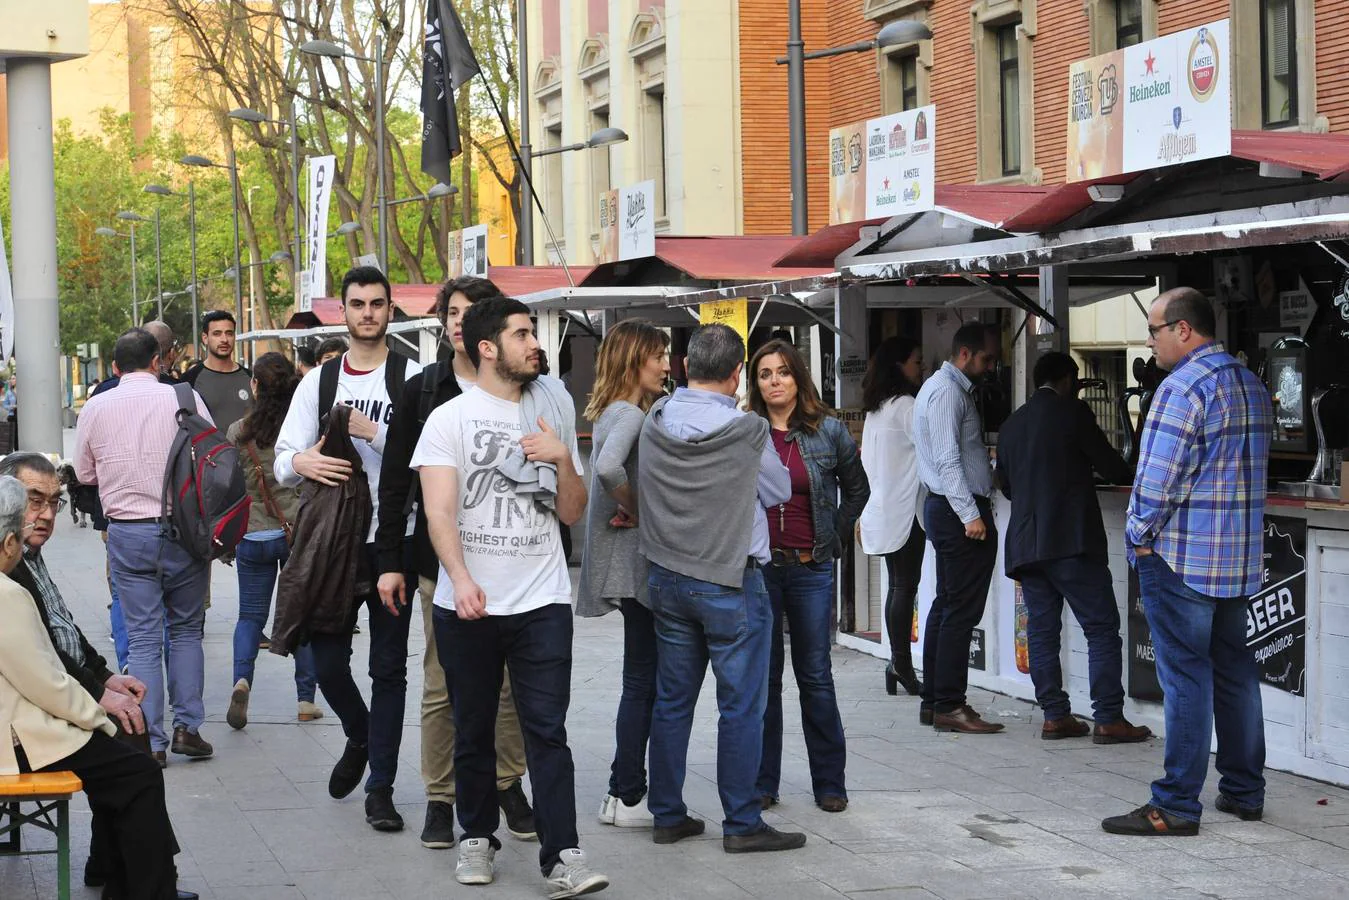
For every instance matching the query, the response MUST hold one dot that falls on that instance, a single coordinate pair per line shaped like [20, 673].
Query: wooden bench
[51, 791]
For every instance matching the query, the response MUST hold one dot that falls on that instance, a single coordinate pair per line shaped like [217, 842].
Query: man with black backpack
[398, 491]
[123, 444]
[367, 378]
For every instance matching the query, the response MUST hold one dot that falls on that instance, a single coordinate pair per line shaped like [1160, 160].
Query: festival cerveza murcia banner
[1160, 103]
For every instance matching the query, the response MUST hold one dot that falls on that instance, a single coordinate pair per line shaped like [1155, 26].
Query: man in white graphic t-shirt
[361, 378]
[499, 470]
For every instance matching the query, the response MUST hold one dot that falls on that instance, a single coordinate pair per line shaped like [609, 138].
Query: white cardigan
[892, 468]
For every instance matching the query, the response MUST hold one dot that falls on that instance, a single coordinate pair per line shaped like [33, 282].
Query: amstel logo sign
[1202, 65]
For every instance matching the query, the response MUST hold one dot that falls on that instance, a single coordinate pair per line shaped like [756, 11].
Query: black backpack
[395, 373]
[205, 500]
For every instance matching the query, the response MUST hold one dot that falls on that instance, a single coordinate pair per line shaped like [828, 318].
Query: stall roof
[1323, 156]
[716, 258]
[603, 297]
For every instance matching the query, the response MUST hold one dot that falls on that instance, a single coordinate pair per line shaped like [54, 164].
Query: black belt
[786, 556]
[154, 521]
[752, 563]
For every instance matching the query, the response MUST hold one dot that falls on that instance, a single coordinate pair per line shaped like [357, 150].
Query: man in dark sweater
[433, 386]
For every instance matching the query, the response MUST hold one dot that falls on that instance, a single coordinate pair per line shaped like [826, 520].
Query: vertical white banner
[322, 170]
[6, 304]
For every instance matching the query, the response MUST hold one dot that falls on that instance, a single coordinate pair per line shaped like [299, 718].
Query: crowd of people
[710, 526]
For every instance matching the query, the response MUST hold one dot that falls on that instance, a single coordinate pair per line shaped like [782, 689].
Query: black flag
[447, 52]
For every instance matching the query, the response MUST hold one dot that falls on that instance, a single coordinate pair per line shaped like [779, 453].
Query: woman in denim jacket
[805, 535]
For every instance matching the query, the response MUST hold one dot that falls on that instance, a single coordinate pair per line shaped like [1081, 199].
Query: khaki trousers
[438, 720]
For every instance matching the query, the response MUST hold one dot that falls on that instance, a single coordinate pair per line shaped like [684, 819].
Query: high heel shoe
[893, 679]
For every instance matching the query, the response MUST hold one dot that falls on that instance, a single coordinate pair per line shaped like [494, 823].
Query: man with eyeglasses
[1195, 536]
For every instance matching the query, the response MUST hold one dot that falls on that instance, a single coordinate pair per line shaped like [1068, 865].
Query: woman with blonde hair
[805, 535]
[630, 372]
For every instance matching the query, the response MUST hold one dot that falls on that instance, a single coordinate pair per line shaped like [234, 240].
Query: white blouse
[892, 468]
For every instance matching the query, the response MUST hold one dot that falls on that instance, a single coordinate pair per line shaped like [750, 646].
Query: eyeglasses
[1153, 329]
[56, 504]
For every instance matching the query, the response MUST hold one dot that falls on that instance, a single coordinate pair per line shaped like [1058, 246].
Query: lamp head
[247, 115]
[159, 189]
[278, 256]
[105, 231]
[193, 160]
[128, 216]
[902, 31]
[607, 136]
[323, 48]
[440, 189]
[348, 227]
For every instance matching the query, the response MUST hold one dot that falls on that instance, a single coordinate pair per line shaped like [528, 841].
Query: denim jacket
[834, 467]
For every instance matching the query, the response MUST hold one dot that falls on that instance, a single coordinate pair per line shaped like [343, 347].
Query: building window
[1278, 63]
[653, 143]
[1009, 98]
[599, 157]
[1107, 372]
[552, 177]
[1128, 23]
[908, 81]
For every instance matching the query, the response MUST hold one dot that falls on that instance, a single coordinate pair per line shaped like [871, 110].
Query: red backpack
[205, 500]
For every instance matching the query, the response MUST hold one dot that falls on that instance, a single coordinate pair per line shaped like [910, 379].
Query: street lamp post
[604, 137]
[233, 169]
[104, 231]
[900, 31]
[335, 51]
[132, 220]
[526, 223]
[160, 190]
[250, 115]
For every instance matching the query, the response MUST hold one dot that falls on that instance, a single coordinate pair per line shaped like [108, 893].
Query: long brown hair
[810, 410]
[277, 380]
[618, 365]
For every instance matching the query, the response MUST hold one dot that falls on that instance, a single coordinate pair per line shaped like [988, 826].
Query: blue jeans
[537, 646]
[1210, 680]
[632, 730]
[157, 580]
[1087, 586]
[697, 622]
[258, 563]
[121, 645]
[804, 594]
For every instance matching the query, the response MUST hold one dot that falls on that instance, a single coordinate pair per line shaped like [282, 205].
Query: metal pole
[192, 243]
[238, 269]
[796, 116]
[33, 213]
[379, 149]
[135, 293]
[296, 255]
[159, 269]
[526, 223]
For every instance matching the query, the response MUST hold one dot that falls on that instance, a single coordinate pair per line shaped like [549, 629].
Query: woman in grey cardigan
[630, 373]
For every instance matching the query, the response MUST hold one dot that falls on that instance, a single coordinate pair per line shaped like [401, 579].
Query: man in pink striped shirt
[122, 445]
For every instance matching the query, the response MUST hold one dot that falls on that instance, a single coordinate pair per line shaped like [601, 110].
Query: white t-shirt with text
[512, 547]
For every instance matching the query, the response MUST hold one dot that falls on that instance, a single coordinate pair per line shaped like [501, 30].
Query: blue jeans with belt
[1211, 681]
[258, 563]
[698, 622]
[804, 596]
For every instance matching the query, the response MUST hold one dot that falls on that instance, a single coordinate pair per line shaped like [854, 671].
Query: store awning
[707, 258]
[594, 298]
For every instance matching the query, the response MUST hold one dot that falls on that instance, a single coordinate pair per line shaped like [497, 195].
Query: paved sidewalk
[932, 815]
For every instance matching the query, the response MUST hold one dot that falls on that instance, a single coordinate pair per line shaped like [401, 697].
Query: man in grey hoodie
[707, 471]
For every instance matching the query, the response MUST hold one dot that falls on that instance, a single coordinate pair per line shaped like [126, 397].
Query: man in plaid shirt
[1196, 520]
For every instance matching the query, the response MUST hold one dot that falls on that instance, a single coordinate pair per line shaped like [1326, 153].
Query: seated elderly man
[56, 726]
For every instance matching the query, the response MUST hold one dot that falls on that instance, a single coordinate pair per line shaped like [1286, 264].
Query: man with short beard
[225, 385]
[499, 470]
[367, 378]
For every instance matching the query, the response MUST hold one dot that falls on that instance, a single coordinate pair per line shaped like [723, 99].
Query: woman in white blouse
[889, 524]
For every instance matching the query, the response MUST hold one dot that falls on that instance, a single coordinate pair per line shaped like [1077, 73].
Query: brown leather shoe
[1120, 732]
[1070, 726]
[964, 720]
[185, 743]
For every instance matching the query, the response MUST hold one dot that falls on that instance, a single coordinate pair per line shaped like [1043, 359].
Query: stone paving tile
[932, 815]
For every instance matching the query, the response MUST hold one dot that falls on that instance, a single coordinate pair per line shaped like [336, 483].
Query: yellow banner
[734, 313]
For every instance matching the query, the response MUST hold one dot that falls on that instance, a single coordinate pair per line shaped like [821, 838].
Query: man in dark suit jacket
[1056, 547]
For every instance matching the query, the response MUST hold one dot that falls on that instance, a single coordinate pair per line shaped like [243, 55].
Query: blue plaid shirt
[1199, 495]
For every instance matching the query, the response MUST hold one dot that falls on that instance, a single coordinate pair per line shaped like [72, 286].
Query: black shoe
[193, 746]
[348, 771]
[767, 801]
[379, 811]
[161, 759]
[1224, 804]
[765, 840]
[1149, 821]
[519, 817]
[903, 675]
[673, 834]
[187, 895]
[925, 715]
[181, 894]
[438, 832]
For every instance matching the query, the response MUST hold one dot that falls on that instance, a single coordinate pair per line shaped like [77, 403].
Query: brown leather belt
[784, 556]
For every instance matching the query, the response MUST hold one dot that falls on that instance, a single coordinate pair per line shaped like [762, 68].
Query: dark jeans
[1210, 680]
[133, 839]
[258, 563]
[903, 570]
[1086, 584]
[536, 645]
[381, 726]
[964, 573]
[632, 730]
[804, 595]
[698, 622]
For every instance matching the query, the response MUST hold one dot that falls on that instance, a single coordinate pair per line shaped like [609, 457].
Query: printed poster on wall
[1159, 103]
[883, 167]
[628, 222]
[467, 252]
[322, 170]
[734, 313]
[847, 173]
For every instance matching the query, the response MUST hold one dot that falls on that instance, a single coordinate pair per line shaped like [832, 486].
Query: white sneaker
[571, 876]
[614, 811]
[475, 861]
